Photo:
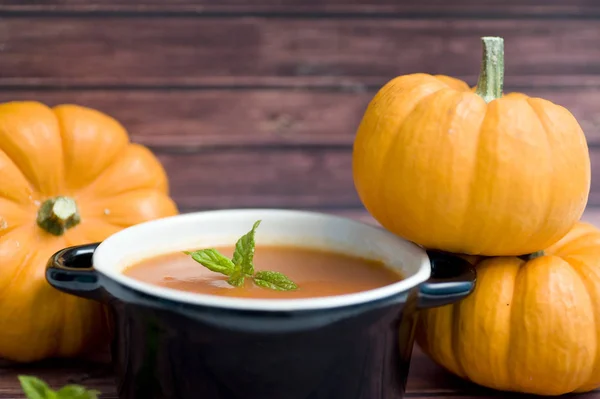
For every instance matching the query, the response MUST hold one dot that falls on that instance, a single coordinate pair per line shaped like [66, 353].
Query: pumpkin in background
[68, 176]
[530, 326]
[471, 172]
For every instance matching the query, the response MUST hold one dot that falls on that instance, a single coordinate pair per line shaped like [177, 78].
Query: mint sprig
[274, 280]
[34, 388]
[241, 265]
[243, 256]
[214, 261]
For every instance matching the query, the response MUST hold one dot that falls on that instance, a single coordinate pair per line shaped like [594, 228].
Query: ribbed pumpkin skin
[531, 327]
[86, 155]
[435, 164]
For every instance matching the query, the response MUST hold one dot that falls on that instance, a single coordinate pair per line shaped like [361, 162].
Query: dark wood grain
[389, 8]
[167, 51]
[254, 118]
[222, 118]
[309, 177]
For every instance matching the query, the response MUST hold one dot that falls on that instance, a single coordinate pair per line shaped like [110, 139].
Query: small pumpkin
[473, 172]
[68, 176]
[531, 325]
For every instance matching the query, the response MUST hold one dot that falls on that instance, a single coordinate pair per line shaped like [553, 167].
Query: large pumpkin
[469, 171]
[530, 326]
[68, 176]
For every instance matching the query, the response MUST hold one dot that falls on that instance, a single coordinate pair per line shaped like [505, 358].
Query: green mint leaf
[240, 266]
[34, 388]
[237, 277]
[213, 260]
[274, 280]
[76, 392]
[244, 251]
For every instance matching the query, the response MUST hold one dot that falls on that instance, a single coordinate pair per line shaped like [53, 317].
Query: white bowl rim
[102, 265]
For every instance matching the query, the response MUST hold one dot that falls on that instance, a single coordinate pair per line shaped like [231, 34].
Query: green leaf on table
[76, 392]
[274, 280]
[34, 388]
[244, 251]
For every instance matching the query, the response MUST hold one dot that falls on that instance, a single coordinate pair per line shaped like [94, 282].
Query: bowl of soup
[260, 304]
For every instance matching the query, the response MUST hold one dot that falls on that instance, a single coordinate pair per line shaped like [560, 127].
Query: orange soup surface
[317, 273]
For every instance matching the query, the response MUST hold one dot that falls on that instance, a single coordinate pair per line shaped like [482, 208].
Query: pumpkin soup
[282, 272]
[315, 272]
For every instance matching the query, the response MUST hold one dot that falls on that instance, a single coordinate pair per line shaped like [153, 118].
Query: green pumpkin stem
[57, 215]
[491, 76]
[532, 255]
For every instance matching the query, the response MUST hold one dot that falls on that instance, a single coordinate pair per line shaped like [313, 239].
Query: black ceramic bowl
[180, 345]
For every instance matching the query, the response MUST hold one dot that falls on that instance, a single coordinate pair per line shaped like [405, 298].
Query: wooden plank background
[257, 103]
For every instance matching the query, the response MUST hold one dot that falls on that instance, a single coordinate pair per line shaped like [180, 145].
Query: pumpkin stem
[532, 255]
[491, 76]
[57, 215]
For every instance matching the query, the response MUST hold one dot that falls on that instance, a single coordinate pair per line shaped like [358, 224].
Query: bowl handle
[452, 279]
[70, 270]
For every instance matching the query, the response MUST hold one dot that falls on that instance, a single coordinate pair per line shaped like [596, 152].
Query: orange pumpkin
[468, 171]
[68, 176]
[530, 326]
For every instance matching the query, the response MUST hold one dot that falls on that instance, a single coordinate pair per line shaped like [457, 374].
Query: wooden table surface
[426, 379]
